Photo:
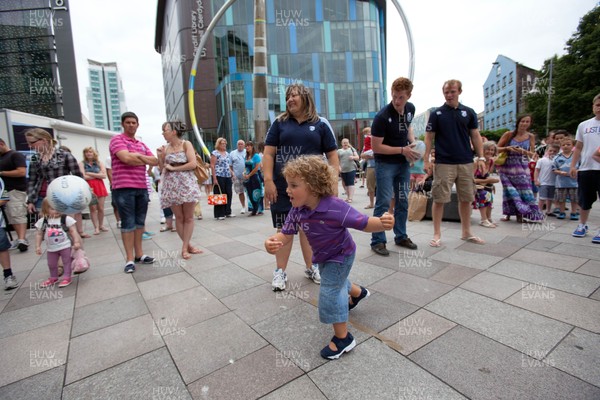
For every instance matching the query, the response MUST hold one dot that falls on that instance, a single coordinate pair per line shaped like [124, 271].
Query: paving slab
[416, 330]
[167, 285]
[467, 259]
[227, 280]
[26, 319]
[366, 274]
[412, 289]
[490, 249]
[46, 385]
[590, 250]
[492, 285]
[260, 302]
[161, 267]
[133, 380]
[203, 348]
[566, 307]
[104, 288]
[231, 250]
[486, 369]
[33, 352]
[252, 260]
[204, 262]
[582, 285]
[579, 355]
[384, 374]
[512, 326]
[108, 312]
[455, 274]
[30, 293]
[299, 389]
[298, 333]
[595, 295]
[105, 348]
[379, 311]
[248, 378]
[592, 267]
[539, 257]
[184, 308]
[542, 245]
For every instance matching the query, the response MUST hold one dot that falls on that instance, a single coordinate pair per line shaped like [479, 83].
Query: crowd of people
[295, 174]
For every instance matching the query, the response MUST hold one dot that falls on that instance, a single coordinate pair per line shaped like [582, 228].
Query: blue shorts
[133, 206]
[334, 289]
[546, 192]
[348, 178]
[4, 243]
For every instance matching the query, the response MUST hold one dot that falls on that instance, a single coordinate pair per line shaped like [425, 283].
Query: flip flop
[164, 229]
[473, 239]
[435, 242]
[103, 229]
[368, 207]
[505, 218]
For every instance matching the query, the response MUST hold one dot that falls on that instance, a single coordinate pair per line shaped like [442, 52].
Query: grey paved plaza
[517, 318]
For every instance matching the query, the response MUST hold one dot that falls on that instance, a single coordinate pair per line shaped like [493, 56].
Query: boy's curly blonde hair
[319, 176]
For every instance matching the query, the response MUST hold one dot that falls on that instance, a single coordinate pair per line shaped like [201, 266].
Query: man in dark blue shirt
[453, 126]
[391, 138]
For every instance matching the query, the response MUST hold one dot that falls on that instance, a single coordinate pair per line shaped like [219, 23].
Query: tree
[574, 79]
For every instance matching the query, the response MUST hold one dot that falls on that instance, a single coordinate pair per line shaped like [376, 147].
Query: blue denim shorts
[4, 243]
[333, 293]
[133, 206]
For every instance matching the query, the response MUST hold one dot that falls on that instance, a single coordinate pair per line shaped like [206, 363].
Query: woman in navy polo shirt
[298, 131]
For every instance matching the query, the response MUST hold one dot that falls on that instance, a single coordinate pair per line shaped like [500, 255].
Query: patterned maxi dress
[178, 187]
[517, 196]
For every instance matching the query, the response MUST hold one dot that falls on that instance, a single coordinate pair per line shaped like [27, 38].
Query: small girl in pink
[58, 243]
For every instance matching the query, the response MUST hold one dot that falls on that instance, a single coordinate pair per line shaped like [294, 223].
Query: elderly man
[238, 157]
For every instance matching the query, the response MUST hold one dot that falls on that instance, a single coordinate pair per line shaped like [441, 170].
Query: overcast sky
[453, 40]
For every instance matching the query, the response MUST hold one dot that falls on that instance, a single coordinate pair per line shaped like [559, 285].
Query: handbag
[501, 159]
[417, 205]
[217, 199]
[201, 170]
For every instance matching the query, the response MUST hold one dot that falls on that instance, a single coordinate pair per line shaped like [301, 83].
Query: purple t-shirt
[326, 228]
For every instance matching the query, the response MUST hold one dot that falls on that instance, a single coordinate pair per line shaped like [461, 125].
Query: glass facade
[334, 47]
[29, 80]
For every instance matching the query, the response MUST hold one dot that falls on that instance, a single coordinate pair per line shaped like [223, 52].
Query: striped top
[128, 176]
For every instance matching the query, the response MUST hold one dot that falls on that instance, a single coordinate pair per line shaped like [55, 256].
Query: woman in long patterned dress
[180, 191]
[517, 196]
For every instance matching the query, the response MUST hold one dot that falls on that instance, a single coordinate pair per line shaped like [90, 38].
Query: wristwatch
[480, 158]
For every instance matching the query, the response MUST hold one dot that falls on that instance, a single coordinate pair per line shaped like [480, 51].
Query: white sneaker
[14, 246]
[314, 274]
[243, 210]
[10, 282]
[163, 220]
[279, 280]
[119, 224]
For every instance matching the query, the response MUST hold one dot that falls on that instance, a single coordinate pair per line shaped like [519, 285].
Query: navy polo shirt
[393, 128]
[292, 140]
[452, 128]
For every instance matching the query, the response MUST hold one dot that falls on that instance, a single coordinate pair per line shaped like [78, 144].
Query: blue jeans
[132, 205]
[392, 179]
[334, 289]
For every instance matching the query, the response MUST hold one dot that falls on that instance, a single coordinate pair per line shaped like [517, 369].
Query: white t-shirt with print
[56, 238]
[588, 133]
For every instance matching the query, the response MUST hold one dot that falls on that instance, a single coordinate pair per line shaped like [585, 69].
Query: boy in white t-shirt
[588, 173]
[545, 179]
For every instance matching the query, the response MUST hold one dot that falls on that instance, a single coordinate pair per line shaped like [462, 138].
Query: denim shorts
[4, 243]
[132, 205]
[333, 293]
[348, 178]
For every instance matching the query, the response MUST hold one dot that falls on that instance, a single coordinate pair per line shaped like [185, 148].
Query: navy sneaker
[144, 259]
[130, 268]
[364, 293]
[343, 346]
[561, 215]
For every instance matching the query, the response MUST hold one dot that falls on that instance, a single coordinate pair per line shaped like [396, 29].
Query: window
[504, 99]
[497, 86]
[504, 81]
[510, 96]
[498, 70]
[510, 77]
[486, 93]
[492, 88]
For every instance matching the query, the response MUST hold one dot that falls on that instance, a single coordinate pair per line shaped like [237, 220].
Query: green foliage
[574, 80]
[493, 135]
